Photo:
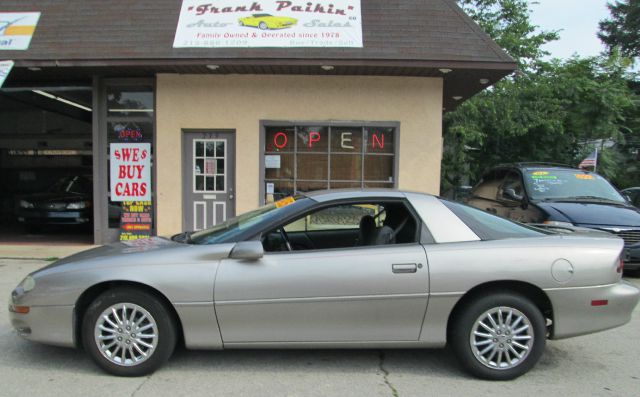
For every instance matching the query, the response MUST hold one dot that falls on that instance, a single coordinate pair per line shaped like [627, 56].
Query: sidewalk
[40, 251]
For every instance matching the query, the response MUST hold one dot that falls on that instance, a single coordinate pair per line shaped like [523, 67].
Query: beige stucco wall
[240, 102]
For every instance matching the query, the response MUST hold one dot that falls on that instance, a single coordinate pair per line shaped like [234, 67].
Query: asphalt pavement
[603, 364]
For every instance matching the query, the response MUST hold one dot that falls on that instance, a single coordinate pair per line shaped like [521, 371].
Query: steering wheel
[285, 238]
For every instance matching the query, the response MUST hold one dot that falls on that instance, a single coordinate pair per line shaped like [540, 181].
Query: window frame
[264, 124]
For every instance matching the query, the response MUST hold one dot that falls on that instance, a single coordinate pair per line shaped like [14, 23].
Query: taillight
[620, 267]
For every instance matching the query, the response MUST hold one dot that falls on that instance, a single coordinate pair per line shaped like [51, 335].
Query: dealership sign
[130, 171]
[5, 68]
[16, 29]
[269, 23]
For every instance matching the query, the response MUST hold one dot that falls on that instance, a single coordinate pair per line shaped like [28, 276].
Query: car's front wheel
[128, 332]
[498, 336]
[263, 26]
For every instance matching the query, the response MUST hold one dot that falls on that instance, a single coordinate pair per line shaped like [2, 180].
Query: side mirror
[627, 197]
[247, 250]
[510, 194]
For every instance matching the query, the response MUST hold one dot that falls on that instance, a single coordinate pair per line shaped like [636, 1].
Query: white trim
[195, 218]
[215, 212]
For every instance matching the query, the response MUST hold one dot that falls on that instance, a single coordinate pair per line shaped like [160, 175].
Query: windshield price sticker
[284, 202]
[584, 176]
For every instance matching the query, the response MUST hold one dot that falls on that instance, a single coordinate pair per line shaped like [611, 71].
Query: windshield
[71, 184]
[558, 184]
[233, 227]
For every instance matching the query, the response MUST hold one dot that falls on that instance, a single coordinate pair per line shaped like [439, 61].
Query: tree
[508, 23]
[549, 111]
[622, 30]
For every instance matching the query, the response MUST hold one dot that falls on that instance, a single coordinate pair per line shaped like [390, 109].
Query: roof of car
[337, 194]
[535, 164]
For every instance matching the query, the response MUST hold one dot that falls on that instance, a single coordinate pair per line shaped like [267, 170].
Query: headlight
[78, 205]
[25, 204]
[28, 284]
[558, 224]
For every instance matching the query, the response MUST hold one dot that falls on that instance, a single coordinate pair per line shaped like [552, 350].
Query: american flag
[590, 161]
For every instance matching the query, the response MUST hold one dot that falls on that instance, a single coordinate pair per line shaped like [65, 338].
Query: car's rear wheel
[128, 332]
[498, 336]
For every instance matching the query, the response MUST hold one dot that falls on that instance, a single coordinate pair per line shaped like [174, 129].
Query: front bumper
[44, 217]
[52, 325]
[632, 257]
[574, 313]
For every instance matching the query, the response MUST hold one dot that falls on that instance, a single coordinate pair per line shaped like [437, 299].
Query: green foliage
[622, 30]
[549, 111]
[508, 24]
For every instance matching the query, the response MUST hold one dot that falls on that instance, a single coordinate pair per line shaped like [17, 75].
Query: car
[333, 269]
[560, 196]
[67, 202]
[633, 194]
[267, 21]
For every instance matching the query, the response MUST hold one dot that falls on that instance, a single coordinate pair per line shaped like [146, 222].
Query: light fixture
[59, 99]
[131, 110]
[445, 71]
[457, 98]
[484, 81]
[327, 67]
[35, 69]
[213, 67]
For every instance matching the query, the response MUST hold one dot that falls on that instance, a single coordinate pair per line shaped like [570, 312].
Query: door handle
[404, 268]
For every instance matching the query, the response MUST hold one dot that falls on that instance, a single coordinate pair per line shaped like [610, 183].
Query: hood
[593, 213]
[138, 253]
[49, 197]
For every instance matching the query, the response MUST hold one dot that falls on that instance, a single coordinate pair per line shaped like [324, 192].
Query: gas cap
[562, 270]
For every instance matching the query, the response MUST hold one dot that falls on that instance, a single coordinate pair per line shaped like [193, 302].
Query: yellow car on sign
[267, 21]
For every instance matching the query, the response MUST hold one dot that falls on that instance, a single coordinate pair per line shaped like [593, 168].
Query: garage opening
[46, 165]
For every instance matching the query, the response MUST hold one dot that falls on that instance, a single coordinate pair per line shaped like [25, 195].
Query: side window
[512, 187]
[489, 185]
[344, 226]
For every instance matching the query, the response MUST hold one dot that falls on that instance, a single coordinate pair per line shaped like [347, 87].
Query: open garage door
[46, 172]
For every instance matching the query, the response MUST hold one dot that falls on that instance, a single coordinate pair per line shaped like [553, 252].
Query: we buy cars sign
[130, 171]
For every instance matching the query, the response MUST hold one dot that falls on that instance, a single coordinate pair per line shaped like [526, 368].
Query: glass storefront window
[303, 158]
[129, 117]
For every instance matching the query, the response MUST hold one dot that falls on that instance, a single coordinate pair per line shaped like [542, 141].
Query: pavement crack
[385, 375]
[140, 385]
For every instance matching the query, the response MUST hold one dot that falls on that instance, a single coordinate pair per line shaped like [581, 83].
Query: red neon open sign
[343, 139]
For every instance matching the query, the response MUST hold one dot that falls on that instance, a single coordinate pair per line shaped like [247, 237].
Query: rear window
[488, 226]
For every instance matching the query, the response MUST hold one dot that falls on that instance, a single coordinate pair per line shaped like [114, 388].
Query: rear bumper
[574, 314]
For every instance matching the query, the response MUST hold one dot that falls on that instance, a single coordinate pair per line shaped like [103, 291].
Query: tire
[263, 26]
[496, 357]
[143, 353]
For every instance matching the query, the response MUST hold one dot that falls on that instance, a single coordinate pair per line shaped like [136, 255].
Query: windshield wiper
[590, 198]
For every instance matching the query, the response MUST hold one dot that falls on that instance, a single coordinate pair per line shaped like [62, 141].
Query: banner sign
[130, 171]
[136, 220]
[269, 23]
[16, 29]
[5, 68]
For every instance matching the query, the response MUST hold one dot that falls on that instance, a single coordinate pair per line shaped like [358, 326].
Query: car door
[371, 293]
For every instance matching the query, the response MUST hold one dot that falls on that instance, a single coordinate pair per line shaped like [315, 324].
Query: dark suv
[559, 196]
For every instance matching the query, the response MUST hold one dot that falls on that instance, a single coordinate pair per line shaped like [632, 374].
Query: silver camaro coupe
[337, 269]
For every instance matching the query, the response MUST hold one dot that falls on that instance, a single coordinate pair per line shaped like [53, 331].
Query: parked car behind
[67, 202]
[559, 196]
[633, 193]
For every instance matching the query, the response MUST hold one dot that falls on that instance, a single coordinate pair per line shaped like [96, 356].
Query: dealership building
[238, 102]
